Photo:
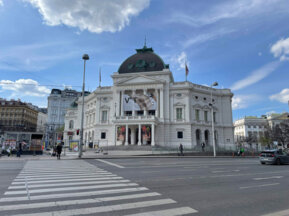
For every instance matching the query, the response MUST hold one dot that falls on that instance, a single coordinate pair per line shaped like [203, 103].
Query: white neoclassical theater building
[146, 107]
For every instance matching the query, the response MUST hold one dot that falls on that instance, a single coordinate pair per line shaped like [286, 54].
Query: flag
[187, 70]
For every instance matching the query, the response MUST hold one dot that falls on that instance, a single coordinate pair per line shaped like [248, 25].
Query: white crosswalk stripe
[64, 188]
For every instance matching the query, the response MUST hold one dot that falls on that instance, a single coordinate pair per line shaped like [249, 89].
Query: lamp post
[212, 114]
[85, 57]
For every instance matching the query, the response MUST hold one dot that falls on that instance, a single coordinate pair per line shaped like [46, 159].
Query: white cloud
[93, 15]
[180, 60]
[24, 87]
[201, 38]
[243, 101]
[256, 76]
[228, 10]
[281, 49]
[282, 96]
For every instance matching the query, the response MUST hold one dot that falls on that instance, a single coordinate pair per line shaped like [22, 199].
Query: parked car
[276, 156]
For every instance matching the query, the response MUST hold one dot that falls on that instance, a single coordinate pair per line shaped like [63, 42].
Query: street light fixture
[212, 114]
[85, 57]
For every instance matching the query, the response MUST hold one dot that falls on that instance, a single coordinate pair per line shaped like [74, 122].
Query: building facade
[17, 116]
[58, 102]
[255, 127]
[145, 106]
[41, 120]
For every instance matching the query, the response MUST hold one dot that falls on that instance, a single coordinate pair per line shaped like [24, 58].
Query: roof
[145, 60]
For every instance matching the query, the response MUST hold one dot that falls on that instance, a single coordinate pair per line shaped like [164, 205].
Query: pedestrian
[19, 150]
[181, 149]
[8, 151]
[58, 150]
[242, 151]
[203, 146]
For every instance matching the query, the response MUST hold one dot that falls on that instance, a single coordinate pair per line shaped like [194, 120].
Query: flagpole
[99, 84]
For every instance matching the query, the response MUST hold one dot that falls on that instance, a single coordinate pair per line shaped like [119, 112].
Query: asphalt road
[144, 186]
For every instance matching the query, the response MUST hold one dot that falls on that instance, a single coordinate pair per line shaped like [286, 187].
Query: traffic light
[77, 132]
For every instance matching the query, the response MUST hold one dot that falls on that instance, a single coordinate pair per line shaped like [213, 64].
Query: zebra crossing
[74, 187]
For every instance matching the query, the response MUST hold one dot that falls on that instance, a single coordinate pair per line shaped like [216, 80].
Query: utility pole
[85, 57]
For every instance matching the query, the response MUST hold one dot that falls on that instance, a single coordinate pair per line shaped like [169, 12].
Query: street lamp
[212, 114]
[85, 57]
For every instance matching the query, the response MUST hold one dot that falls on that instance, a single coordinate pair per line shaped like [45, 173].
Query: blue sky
[242, 44]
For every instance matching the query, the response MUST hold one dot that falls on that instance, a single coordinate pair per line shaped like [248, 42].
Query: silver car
[277, 156]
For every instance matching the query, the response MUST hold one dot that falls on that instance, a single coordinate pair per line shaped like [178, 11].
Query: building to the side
[17, 116]
[145, 106]
[58, 102]
[254, 127]
[41, 120]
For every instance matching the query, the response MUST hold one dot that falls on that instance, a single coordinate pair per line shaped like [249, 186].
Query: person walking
[58, 150]
[203, 146]
[19, 151]
[181, 149]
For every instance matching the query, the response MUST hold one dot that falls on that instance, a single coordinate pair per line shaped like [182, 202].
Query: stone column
[145, 110]
[158, 102]
[161, 103]
[153, 135]
[139, 134]
[121, 103]
[133, 111]
[126, 135]
[132, 138]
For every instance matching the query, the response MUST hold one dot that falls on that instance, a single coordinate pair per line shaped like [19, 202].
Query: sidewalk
[91, 154]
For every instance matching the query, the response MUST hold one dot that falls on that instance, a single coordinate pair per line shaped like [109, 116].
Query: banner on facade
[121, 133]
[139, 102]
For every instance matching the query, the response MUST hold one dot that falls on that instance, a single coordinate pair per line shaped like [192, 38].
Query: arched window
[198, 136]
[71, 124]
[207, 137]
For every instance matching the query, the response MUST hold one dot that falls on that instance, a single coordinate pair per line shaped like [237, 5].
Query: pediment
[141, 79]
[179, 104]
[105, 107]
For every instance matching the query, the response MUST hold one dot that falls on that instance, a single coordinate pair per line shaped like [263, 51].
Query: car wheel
[262, 163]
[278, 161]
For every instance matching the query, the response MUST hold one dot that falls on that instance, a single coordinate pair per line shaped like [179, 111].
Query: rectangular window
[180, 134]
[140, 113]
[103, 135]
[179, 114]
[206, 116]
[128, 113]
[104, 116]
[197, 114]
[152, 112]
[214, 116]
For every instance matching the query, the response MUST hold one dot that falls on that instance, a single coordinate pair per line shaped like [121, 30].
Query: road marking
[112, 164]
[272, 177]
[279, 213]
[264, 185]
[57, 175]
[68, 184]
[94, 210]
[77, 194]
[245, 174]
[75, 202]
[67, 180]
[65, 177]
[168, 212]
[70, 188]
[224, 171]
